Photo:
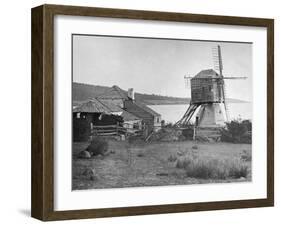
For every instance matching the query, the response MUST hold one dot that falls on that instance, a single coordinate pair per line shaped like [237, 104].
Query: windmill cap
[208, 73]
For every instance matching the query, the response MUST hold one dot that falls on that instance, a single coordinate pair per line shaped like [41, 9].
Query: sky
[158, 66]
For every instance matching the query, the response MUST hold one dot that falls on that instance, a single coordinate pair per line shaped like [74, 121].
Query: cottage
[125, 100]
[151, 119]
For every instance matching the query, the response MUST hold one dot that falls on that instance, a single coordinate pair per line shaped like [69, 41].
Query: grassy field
[154, 164]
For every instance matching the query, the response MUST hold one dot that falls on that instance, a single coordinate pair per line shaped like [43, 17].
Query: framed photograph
[142, 112]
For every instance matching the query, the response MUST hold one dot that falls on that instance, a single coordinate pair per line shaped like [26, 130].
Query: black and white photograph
[160, 112]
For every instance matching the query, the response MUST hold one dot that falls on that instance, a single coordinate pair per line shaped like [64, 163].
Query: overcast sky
[157, 65]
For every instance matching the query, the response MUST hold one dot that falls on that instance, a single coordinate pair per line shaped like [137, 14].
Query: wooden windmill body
[208, 99]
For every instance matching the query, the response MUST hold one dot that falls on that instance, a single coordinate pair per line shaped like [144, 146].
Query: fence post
[194, 132]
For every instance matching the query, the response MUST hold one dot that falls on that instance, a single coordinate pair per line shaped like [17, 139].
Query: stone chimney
[131, 94]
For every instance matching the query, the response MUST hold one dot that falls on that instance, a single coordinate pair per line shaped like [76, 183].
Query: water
[173, 113]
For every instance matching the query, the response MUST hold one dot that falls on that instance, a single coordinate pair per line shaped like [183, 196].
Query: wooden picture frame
[43, 110]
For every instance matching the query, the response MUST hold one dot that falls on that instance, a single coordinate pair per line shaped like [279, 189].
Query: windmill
[208, 96]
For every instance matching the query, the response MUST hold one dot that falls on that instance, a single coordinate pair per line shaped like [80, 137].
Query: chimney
[131, 94]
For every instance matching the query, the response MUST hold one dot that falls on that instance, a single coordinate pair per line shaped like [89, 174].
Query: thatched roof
[92, 106]
[147, 109]
[96, 105]
[127, 116]
[110, 105]
[115, 92]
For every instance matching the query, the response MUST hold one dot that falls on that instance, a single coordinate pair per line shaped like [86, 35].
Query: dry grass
[158, 164]
[200, 166]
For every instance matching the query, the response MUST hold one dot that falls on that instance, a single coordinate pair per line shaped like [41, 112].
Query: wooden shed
[93, 113]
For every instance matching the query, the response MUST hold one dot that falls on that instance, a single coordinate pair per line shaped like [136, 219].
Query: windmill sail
[217, 59]
[218, 65]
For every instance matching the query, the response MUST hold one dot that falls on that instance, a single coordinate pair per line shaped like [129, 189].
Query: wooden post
[194, 132]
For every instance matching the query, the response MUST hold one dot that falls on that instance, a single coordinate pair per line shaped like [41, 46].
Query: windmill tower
[208, 96]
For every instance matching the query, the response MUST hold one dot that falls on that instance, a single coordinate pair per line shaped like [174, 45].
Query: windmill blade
[219, 67]
[220, 60]
[237, 77]
[187, 81]
[224, 101]
[218, 78]
[217, 59]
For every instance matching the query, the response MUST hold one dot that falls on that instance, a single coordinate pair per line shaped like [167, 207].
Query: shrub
[172, 158]
[237, 132]
[188, 133]
[246, 156]
[140, 154]
[162, 123]
[168, 125]
[98, 146]
[248, 124]
[210, 168]
[195, 147]
[237, 169]
[183, 162]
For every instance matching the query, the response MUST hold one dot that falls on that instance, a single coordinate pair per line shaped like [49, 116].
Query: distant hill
[82, 92]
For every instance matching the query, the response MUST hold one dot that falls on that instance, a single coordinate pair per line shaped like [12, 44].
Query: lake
[173, 113]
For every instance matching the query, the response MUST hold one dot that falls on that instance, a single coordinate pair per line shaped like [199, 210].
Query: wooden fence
[116, 130]
[108, 130]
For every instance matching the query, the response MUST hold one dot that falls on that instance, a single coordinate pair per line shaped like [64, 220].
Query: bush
[172, 158]
[248, 124]
[98, 146]
[195, 147]
[210, 168]
[237, 132]
[238, 170]
[183, 162]
[188, 133]
[246, 156]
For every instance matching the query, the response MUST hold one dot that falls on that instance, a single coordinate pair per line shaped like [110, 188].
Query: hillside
[82, 92]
